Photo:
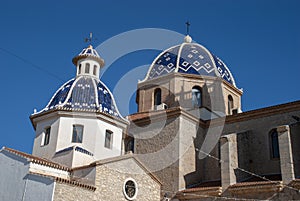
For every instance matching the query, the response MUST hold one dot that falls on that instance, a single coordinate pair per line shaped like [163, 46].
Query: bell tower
[185, 88]
[189, 76]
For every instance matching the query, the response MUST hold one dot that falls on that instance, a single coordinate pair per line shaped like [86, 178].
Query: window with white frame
[130, 189]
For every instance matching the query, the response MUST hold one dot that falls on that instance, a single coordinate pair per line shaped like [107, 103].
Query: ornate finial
[188, 39]
[187, 27]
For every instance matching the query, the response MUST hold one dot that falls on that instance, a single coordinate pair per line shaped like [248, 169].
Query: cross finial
[187, 27]
[89, 39]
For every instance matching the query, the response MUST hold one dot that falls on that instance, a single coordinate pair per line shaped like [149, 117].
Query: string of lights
[248, 172]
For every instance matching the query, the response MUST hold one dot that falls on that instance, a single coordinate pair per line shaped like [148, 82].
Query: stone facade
[65, 192]
[176, 91]
[109, 179]
[190, 142]
[242, 155]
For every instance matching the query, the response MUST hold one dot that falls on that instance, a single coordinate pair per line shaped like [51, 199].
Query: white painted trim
[47, 107]
[178, 60]
[96, 93]
[53, 191]
[114, 102]
[45, 170]
[178, 56]
[24, 192]
[136, 189]
[233, 81]
[71, 90]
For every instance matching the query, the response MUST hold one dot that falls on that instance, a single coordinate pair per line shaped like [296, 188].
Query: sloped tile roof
[36, 159]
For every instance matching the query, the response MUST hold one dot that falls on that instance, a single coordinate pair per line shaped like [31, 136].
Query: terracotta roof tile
[189, 190]
[67, 181]
[36, 159]
[257, 183]
[147, 114]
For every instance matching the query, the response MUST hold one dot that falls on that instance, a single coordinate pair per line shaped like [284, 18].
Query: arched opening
[230, 104]
[79, 69]
[196, 97]
[87, 68]
[274, 144]
[129, 145]
[157, 96]
[95, 70]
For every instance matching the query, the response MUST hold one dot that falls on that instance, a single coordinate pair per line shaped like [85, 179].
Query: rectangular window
[46, 136]
[108, 139]
[274, 144]
[77, 134]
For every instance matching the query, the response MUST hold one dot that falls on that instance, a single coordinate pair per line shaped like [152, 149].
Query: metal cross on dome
[187, 27]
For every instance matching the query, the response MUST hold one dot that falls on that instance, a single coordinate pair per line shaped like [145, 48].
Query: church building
[189, 139]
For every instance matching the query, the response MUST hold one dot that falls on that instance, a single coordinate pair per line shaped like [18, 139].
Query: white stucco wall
[17, 184]
[94, 130]
[46, 151]
[39, 188]
[93, 136]
[92, 63]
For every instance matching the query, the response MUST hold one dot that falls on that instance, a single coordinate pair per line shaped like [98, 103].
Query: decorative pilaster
[229, 158]
[286, 154]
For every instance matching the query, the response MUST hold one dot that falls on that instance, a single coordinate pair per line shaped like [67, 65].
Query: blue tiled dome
[84, 93]
[191, 58]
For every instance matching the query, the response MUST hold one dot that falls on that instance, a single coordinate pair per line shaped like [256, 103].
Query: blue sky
[259, 40]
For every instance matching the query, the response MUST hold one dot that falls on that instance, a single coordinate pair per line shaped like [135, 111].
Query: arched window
[274, 144]
[157, 96]
[129, 145]
[46, 137]
[87, 68]
[79, 69]
[230, 104]
[95, 70]
[196, 97]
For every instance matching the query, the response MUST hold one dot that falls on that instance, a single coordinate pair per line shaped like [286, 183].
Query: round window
[130, 189]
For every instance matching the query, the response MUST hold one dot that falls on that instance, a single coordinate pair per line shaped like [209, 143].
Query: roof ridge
[67, 181]
[36, 159]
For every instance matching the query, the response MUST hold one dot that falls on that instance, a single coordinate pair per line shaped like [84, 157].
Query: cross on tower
[187, 27]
